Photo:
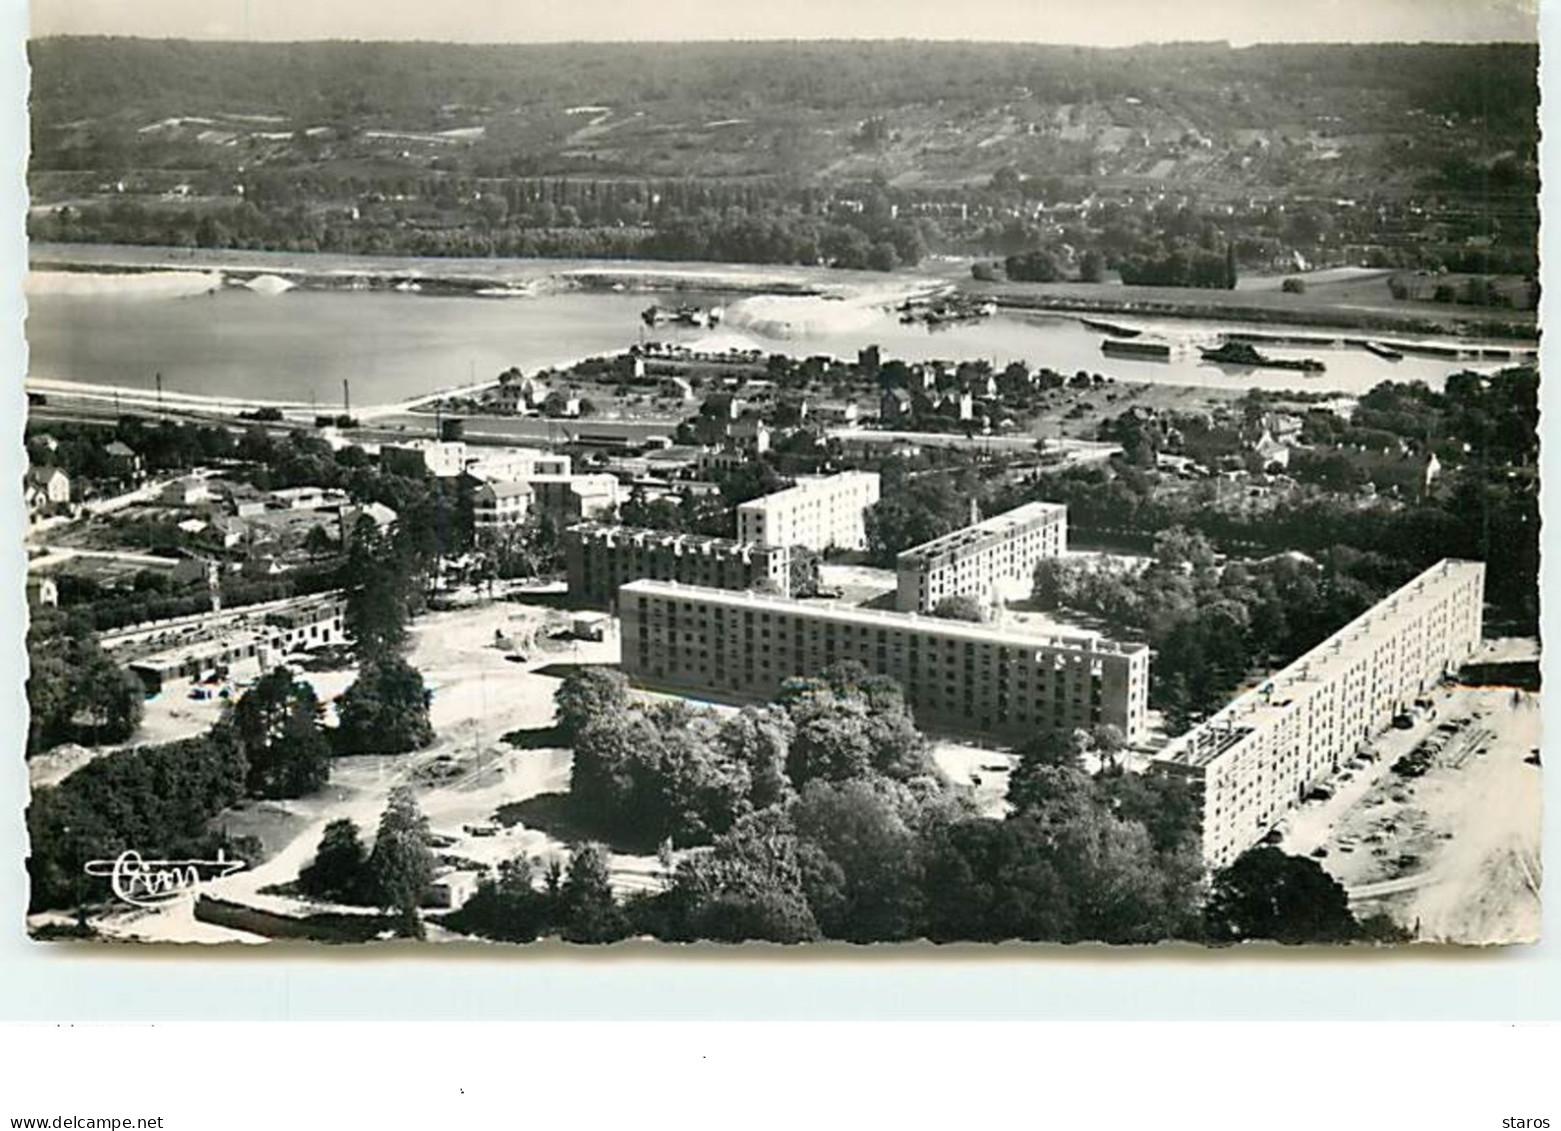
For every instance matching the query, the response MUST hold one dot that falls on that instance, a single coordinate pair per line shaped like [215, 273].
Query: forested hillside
[855, 153]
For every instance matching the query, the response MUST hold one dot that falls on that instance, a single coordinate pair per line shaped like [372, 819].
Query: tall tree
[340, 868]
[385, 711]
[588, 911]
[588, 694]
[402, 863]
[759, 738]
[378, 586]
[1268, 894]
[860, 860]
[748, 886]
[277, 724]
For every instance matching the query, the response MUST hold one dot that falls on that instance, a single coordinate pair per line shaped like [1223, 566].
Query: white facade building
[1265, 751]
[983, 559]
[817, 513]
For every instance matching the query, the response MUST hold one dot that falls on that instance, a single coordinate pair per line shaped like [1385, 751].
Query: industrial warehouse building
[979, 559]
[600, 558]
[1265, 751]
[958, 677]
[816, 513]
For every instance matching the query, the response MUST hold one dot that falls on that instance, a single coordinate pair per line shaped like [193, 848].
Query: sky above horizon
[1096, 22]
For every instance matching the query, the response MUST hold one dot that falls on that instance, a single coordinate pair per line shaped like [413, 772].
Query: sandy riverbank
[510, 277]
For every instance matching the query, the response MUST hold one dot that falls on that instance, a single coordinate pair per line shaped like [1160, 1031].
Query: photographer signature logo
[150, 883]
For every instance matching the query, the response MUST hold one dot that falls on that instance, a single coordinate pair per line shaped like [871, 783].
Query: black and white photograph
[819, 474]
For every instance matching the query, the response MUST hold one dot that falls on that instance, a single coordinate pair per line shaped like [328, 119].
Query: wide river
[300, 345]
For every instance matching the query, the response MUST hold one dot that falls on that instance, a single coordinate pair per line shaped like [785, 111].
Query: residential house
[571, 498]
[383, 517]
[1270, 452]
[308, 498]
[187, 492]
[895, 407]
[124, 463]
[47, 488]
[676, 387]
[500, 506]
[443, 459]
[42, 591]
[845, 414]
[750, 433]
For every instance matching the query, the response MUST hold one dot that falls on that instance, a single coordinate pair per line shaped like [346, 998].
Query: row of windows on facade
[1075, 665]
[1094, 714]
[1060, 689]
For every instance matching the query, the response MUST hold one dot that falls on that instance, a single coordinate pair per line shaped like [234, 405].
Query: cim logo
[150, 883]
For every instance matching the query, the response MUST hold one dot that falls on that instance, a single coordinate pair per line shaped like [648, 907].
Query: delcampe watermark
[149, 883]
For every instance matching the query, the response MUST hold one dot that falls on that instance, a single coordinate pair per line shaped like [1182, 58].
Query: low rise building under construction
[267, 638]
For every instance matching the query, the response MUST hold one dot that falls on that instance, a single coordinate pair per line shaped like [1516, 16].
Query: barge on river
[1153, 351]
[1247, 356]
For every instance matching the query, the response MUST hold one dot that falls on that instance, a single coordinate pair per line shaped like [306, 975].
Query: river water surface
[302, 344]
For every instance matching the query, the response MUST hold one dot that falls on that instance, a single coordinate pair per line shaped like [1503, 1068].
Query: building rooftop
[881, 618]
[987, 531]
[641, 536]
[1269, 702]
[585, 479]
[805, 487]
[506, 490]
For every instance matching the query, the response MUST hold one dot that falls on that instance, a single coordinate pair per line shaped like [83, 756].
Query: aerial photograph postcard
[842, 474]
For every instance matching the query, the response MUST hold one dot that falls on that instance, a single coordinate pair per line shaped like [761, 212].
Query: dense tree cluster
[1212, 624]
[666, 771]
[164, 800]
[822, 814]
[396, 874]
[1484, 506]
[915, 508]
[1267, 895]
[847, 832]
[385, 711]
[159, 800]
[276, 723]
[75, 691]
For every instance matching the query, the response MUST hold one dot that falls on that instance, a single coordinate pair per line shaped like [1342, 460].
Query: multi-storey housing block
[600, 558]
[817, 513]
[980, 559]
[1264, 752]
[959, 677]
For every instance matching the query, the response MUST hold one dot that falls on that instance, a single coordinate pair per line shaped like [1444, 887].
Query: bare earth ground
[460, 782]
[1454, 855]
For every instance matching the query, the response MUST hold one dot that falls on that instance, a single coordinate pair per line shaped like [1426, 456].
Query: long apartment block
[817, 513]
[978, 559]
[1266, 750]
[600, 557]
[958, 677]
